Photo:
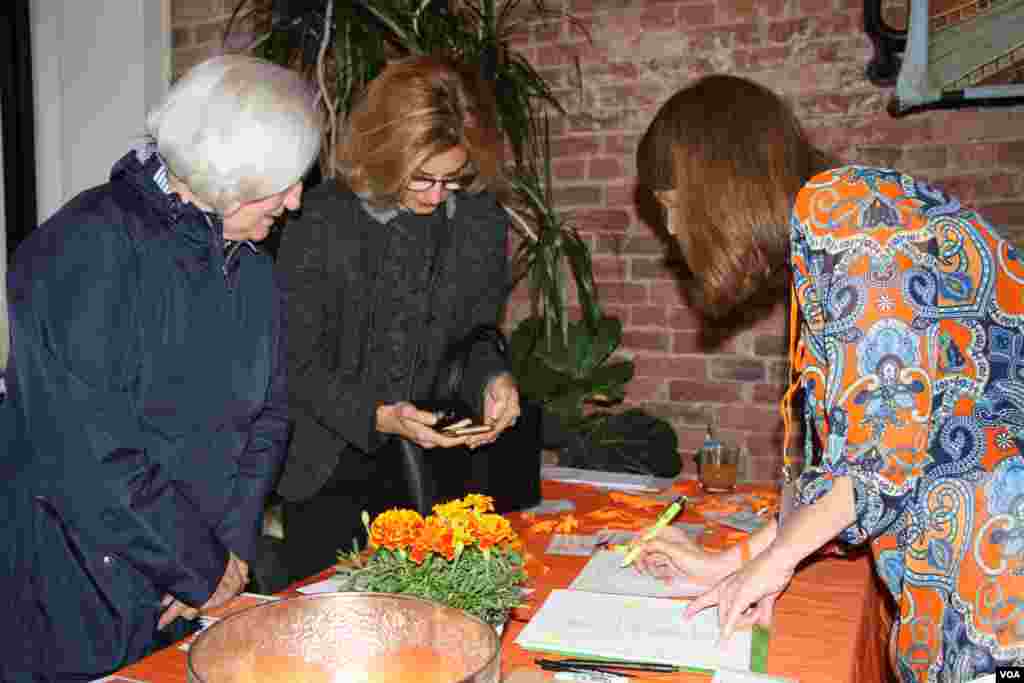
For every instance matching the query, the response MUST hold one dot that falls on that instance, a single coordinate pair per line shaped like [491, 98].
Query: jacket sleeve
[261, 460]
[336, 401]
[869, 383]
[491, 277]
[74, 296]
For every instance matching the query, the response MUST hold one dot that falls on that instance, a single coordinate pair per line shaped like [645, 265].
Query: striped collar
[161, 178]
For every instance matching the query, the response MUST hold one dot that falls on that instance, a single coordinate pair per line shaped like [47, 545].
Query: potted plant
[463, 555]
[342, 46]
[567, 366]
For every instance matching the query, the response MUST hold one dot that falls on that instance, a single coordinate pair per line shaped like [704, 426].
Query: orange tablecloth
[826, 625]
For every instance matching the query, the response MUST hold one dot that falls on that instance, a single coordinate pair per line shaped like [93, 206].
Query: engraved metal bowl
[342, 637]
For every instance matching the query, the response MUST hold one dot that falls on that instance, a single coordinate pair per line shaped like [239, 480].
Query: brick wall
[814, 52]
[197, 31]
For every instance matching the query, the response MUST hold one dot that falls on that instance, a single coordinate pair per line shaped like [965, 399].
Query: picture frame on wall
[947, 53]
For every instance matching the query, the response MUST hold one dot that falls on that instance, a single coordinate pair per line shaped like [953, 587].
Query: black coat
[145, 424]
[330, 264]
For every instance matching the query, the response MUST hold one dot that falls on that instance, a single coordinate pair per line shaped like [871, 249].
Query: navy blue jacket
[145, 422]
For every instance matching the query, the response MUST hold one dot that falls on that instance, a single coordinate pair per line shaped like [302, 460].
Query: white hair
[235, 129]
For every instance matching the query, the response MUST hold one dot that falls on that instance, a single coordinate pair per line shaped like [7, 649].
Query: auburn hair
[416, 109]
[735, 156]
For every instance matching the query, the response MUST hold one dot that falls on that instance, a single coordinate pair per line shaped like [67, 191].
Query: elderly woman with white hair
[146, 413]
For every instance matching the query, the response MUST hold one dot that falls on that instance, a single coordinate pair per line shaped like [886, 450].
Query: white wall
[99, 66]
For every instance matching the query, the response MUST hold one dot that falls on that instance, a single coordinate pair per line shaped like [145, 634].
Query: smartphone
[466, 430]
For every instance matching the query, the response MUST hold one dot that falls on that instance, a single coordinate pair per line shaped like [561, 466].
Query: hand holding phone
[464, 428]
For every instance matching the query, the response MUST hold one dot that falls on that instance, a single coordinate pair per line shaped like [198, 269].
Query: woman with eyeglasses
[400, 257]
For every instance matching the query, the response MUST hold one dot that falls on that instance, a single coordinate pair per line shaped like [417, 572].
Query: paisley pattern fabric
[912, 366]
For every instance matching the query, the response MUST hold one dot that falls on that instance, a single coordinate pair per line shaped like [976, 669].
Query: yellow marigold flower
[462, 530]
[451, 509]
[480, 503]
[395, 529]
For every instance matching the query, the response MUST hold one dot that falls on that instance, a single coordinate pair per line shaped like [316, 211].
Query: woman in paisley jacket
[911, 361]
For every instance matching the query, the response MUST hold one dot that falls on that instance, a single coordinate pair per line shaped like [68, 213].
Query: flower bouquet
[463, 555]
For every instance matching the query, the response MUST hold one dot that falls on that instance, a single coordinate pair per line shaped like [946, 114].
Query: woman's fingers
[174, 610]
[729, 614]
[501, 402]
[407, 411]
[766, 610]
[707, 599]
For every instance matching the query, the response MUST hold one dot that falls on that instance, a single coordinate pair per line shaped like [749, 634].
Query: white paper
[632, 628]
[615, 536]
[550, 507]
[730, 676]
[694, 531]
[572, 544]
[603, 574]
[328, 585]
[744, 520]
[608, 480]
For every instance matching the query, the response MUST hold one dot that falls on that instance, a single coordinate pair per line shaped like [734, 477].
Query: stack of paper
[633, 628]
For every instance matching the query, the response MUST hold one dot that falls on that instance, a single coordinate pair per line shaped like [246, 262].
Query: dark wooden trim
[889, 44]
[19, 157]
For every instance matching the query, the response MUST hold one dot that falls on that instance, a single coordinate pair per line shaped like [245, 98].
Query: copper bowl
[346, 637]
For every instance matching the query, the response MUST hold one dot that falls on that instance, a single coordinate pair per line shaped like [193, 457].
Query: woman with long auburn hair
[402, 255]
[911, 330]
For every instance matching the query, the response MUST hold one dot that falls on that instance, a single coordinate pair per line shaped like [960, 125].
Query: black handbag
[508, 470]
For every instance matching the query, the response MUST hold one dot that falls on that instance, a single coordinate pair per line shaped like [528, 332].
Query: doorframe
[98, 68]
[17, 133]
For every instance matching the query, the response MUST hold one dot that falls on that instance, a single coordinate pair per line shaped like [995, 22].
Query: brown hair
[416, 109]
[736, 157]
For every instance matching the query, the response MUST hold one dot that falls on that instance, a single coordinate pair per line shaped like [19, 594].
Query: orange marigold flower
[395, 529]
[567, 524]
[545, 527]
[438, 537]
[419, 551]
[491, 530]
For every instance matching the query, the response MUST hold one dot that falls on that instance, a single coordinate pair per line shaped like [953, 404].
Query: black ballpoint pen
[557, 665]
[610, 666]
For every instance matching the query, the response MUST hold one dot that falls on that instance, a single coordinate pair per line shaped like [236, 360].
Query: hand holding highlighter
[666, 517]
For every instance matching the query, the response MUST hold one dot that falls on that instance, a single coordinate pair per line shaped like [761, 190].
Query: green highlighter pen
[666, 517]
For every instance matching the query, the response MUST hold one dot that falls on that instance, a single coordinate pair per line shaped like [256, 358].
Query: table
[826, 626]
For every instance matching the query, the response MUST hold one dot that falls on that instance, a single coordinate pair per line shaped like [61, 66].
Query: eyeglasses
[422, 183]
